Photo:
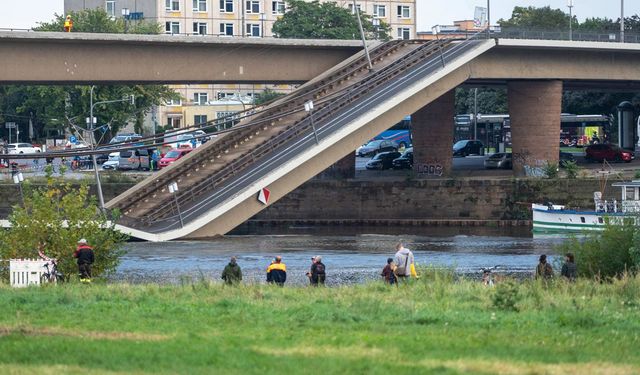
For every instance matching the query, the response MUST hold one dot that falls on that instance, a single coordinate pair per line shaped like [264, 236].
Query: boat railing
[612, 206]
[631, 206]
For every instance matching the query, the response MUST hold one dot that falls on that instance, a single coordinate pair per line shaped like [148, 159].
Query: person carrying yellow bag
[405, 263]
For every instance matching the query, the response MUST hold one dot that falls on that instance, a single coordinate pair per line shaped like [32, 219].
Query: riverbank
[435, 325]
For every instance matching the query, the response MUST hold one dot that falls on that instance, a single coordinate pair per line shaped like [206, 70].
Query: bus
[400, 133]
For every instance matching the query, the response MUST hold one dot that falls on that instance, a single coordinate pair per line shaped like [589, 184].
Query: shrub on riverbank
[429, 326]
[605, 254]
[58, 215]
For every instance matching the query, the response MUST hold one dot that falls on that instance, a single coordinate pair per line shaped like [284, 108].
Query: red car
[173, 155]
[609, 152]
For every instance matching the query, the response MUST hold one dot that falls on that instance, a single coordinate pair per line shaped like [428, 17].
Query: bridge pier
[534, 110]
[432, 132]
[344, 168]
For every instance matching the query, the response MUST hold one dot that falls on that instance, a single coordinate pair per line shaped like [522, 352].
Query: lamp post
[621, 21]
[173, 189]
[376, 26]
[308, 106]
[489, 18]
[570, 6]
[435, 30]
[17, 179]
[91, 127]
[125, 16]
[475, 113]
[364, 39]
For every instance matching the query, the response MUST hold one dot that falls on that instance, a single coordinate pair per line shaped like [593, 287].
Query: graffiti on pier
[432, 167]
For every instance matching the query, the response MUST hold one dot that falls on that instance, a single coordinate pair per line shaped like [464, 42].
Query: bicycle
[488, 278]
[52, 275]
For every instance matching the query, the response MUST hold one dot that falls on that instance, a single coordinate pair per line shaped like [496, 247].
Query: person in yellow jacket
[405, 264]
[68, 24]
[277, 272]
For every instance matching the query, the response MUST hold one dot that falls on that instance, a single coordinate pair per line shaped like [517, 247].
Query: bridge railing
[576, 35]
[296, 143]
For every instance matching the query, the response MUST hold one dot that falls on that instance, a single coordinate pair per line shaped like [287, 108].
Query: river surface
[349, 258]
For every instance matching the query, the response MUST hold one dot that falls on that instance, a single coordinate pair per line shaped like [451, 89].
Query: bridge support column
[432, 133]
[346, 167]
[534, 111]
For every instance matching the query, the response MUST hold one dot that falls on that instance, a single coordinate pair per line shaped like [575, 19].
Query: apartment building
[230, 18]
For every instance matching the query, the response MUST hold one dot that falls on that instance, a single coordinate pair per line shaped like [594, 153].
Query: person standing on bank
[318, 271]
[232, 274]
[277, 272]
[388, 272]
[405, 267]
[569, 268]
[85, 256]
[544, 269]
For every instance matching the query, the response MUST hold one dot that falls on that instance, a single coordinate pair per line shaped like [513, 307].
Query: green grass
[435, 325]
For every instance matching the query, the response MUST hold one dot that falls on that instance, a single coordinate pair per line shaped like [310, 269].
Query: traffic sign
[10, 125]
[263, 196]
[73, 139]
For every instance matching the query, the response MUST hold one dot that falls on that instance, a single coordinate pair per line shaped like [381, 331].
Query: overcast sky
[25, 14]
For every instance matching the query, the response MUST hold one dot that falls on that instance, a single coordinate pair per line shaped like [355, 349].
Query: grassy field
[435, 326]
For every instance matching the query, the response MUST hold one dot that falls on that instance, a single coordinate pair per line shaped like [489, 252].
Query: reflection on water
[349, 258]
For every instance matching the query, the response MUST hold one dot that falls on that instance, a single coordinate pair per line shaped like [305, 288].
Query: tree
[314, 20]
[55, 109]
[537, 18]
[489, 101]
[58, 215]
[266, 96]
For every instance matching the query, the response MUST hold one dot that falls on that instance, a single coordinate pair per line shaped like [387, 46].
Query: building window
[252, 6]
[200, 28]
[174, 122]
[404, 33]
[200, 98]
[404, 11]
[379, 11]
[225, 95]
[172, 27]
[174, 102]
[172, 5]
[277, 7]
[226, 6]
[199, 119]
[199, 5]
[253, 29]
[226, 29]
[111, 8]
[357, 6]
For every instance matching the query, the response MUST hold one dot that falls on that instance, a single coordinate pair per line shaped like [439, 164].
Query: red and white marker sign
[263, 196]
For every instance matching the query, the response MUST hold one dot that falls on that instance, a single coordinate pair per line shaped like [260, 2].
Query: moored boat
[558, 218]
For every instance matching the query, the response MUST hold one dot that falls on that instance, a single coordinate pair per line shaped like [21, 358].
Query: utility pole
[489, 18]
[475, 113]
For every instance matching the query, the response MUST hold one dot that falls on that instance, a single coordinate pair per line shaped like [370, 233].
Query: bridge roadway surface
[90, 58]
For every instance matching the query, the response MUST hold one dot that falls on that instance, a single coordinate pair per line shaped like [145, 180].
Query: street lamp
[173, 189]
[489, 18]
[125, 16]
[570, 6]
[435, 30]
[17, 179]
[308, 106]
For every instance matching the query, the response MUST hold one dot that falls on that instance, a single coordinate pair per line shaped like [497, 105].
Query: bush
[58, 215]
[571, 169]
[550, 169]
[607, 253]
[507, 296]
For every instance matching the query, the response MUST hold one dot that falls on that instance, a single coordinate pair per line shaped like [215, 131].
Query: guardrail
[299, 143]
[582, 36]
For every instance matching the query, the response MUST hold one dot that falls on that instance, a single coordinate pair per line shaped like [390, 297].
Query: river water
[350, 254]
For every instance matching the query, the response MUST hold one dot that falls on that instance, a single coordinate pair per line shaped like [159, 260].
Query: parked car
[124, 137]
[468, 147]
[135, 159]
[500, 160]
[405, 161]
[173, 155]
[375, 147]
[609, 152]
[112, 162]
[22, 148]
[383, 160]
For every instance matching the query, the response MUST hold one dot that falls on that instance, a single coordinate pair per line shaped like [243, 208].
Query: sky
[25, 14]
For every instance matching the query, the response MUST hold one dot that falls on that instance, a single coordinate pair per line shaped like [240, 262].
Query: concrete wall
[451, 199]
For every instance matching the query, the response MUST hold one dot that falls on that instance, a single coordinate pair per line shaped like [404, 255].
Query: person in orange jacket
[85, 256]
[68, 24]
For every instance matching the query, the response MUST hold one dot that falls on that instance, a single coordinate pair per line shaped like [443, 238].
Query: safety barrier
[25, 272]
